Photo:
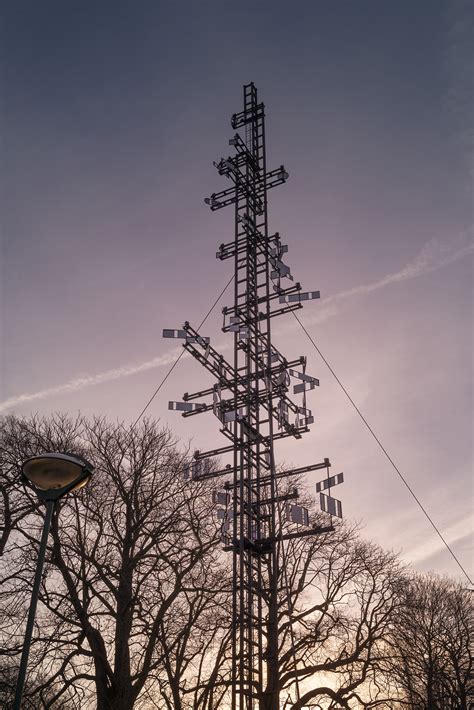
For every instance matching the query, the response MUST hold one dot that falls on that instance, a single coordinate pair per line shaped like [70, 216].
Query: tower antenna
[250, 398]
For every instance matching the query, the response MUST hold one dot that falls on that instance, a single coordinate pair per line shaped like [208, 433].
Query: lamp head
[55, 471]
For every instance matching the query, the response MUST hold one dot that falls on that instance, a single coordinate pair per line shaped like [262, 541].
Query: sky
[112, 113]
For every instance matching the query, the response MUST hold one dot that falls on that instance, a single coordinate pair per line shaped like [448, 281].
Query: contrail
[434, 255]
[455, 533]
[80, 383]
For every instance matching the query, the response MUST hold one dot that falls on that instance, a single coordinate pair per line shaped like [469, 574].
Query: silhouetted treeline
[135, 603]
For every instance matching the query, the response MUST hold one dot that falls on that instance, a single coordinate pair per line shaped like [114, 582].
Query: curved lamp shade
[51, 471]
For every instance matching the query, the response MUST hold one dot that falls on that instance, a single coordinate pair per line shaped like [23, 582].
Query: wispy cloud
[80, 383]
[455, 535]
[434, 255]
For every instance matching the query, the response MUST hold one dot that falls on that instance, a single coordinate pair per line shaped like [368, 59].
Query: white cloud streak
[434, 255]
[455, 534]
[80, 383]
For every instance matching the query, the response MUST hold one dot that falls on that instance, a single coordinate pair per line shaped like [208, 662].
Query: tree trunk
[271, 697]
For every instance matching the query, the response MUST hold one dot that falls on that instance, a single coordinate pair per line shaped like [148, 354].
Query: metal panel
[170, 333]
[330, 505]
[299, 515]
[221, 497]
[304, 387]
[329, 482]
[300, 296]
[185, 406]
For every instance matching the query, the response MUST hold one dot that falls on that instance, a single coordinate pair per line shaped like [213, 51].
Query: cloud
[433, 256]
[454, 535]
[80, 383]
[417, 542]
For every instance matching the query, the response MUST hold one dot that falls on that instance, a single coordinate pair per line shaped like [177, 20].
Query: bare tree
[135, 604]
[339, 602]
[197, 663]
[338, 597]
[432, 644]
[127, 568]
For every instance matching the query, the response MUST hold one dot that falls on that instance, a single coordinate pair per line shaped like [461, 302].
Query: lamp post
[51, 476]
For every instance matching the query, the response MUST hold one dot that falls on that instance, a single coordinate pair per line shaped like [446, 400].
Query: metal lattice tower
[250, 399]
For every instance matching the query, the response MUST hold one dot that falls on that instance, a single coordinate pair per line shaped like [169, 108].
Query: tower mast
[251, 400]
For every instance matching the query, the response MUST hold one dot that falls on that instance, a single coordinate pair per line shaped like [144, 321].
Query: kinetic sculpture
[250, 398]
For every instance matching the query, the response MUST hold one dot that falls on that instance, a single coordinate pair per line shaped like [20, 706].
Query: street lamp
[51, 476]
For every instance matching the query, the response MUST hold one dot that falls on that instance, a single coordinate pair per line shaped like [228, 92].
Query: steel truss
[250, 399]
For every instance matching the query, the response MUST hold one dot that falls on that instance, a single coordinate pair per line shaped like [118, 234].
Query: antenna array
[251, 399]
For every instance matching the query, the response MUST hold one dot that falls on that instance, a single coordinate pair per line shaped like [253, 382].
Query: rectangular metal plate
[196, 339]
[173, 333]
[304, 387]
[220, 497]
[329, 482]
[300, 296]
[185, 406]
[303, 376]
[299, 515]
[333, 506]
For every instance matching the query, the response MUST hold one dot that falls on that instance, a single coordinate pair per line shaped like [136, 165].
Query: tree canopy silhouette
[135, 602]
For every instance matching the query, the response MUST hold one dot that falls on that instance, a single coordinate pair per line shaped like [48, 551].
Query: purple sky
[112, 113]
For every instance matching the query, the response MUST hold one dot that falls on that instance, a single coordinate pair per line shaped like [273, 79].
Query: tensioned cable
[181, 353]
[383, 449]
